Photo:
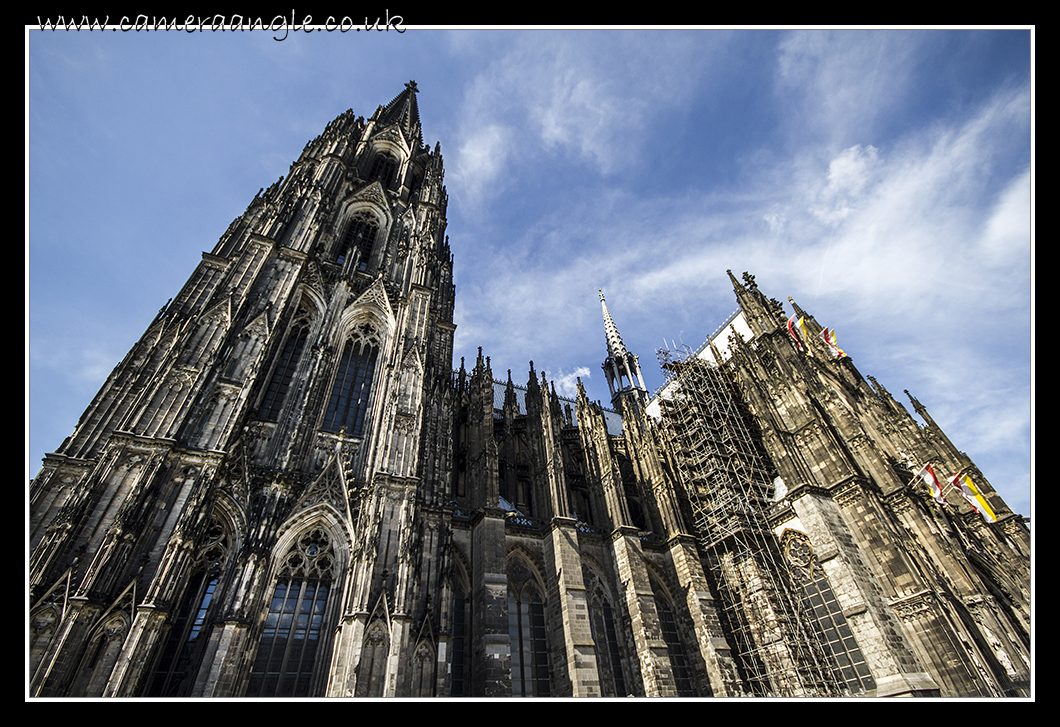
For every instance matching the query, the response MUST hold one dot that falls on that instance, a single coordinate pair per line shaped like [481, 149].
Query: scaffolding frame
[729, 483]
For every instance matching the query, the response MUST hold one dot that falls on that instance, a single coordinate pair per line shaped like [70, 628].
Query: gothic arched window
[581, 503]
[606, 637]
[348, 403]
[100, 656]
[672, 638]
[384, 168]
[423, 672]
[371, 669]
[819, 604]
[43, 623]
[290, 646]
[632, 493]
[284, 371]
[175, 673]
[359, 239]
[459, 643]
[526, 627]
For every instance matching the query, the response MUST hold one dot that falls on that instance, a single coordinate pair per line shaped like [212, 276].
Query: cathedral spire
[620, 363]
[615, 347]
[403, 111]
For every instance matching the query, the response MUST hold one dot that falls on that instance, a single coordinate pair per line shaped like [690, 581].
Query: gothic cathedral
[285, 489]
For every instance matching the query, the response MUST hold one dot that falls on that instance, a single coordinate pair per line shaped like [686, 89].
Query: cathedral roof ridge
[523, 388]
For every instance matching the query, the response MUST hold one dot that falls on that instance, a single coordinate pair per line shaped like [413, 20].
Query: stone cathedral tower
[250, 505]
[285, 489]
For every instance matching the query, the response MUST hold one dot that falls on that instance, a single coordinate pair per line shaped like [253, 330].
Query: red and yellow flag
[927, 475]
[797, 329]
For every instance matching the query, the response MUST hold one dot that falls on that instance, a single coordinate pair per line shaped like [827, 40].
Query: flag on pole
[927, 474]
[795, 336]
[797, 329]
[963, 484]
[828, 336]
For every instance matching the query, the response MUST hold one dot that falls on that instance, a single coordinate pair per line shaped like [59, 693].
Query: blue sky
[881, 178]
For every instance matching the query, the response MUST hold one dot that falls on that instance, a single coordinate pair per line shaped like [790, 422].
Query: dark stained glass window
[384, 168]
[287, 657]
[459, 644]
[284, 371]
[526, 627]
[348, 403]
[174, 675]
[359, 239]
[820, 605]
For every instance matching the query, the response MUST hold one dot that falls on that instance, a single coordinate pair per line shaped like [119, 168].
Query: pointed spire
[795, 306]
[532, 386]
[615, 347]
[917, 406]
[403, 111]
[511, 404]
[620, 363]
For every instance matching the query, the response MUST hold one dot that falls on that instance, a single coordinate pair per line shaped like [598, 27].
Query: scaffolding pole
[728, 481]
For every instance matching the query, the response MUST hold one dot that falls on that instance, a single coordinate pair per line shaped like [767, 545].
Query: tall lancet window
[672, 638]
[526, 627]
[290, 647]
[348, 403]
[359, 240]
[177, 667]
[459, 643]
[605, 633]
[820, 607]
[384, 168]
[284, 371]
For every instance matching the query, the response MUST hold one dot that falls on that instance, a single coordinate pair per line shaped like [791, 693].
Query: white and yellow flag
[828, 336]
[964, 485]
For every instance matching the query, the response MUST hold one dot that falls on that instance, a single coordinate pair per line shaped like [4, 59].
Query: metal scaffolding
[728, 480]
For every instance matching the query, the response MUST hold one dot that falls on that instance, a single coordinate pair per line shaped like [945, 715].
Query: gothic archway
[100, 655]
[607, 635]
[671, 635]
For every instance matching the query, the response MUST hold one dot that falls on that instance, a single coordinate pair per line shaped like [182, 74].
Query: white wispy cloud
[581, 97]
[837, 84]
[567, 383]
[848, 175]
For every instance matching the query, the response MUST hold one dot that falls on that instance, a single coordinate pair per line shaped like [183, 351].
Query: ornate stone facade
[285, 489]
